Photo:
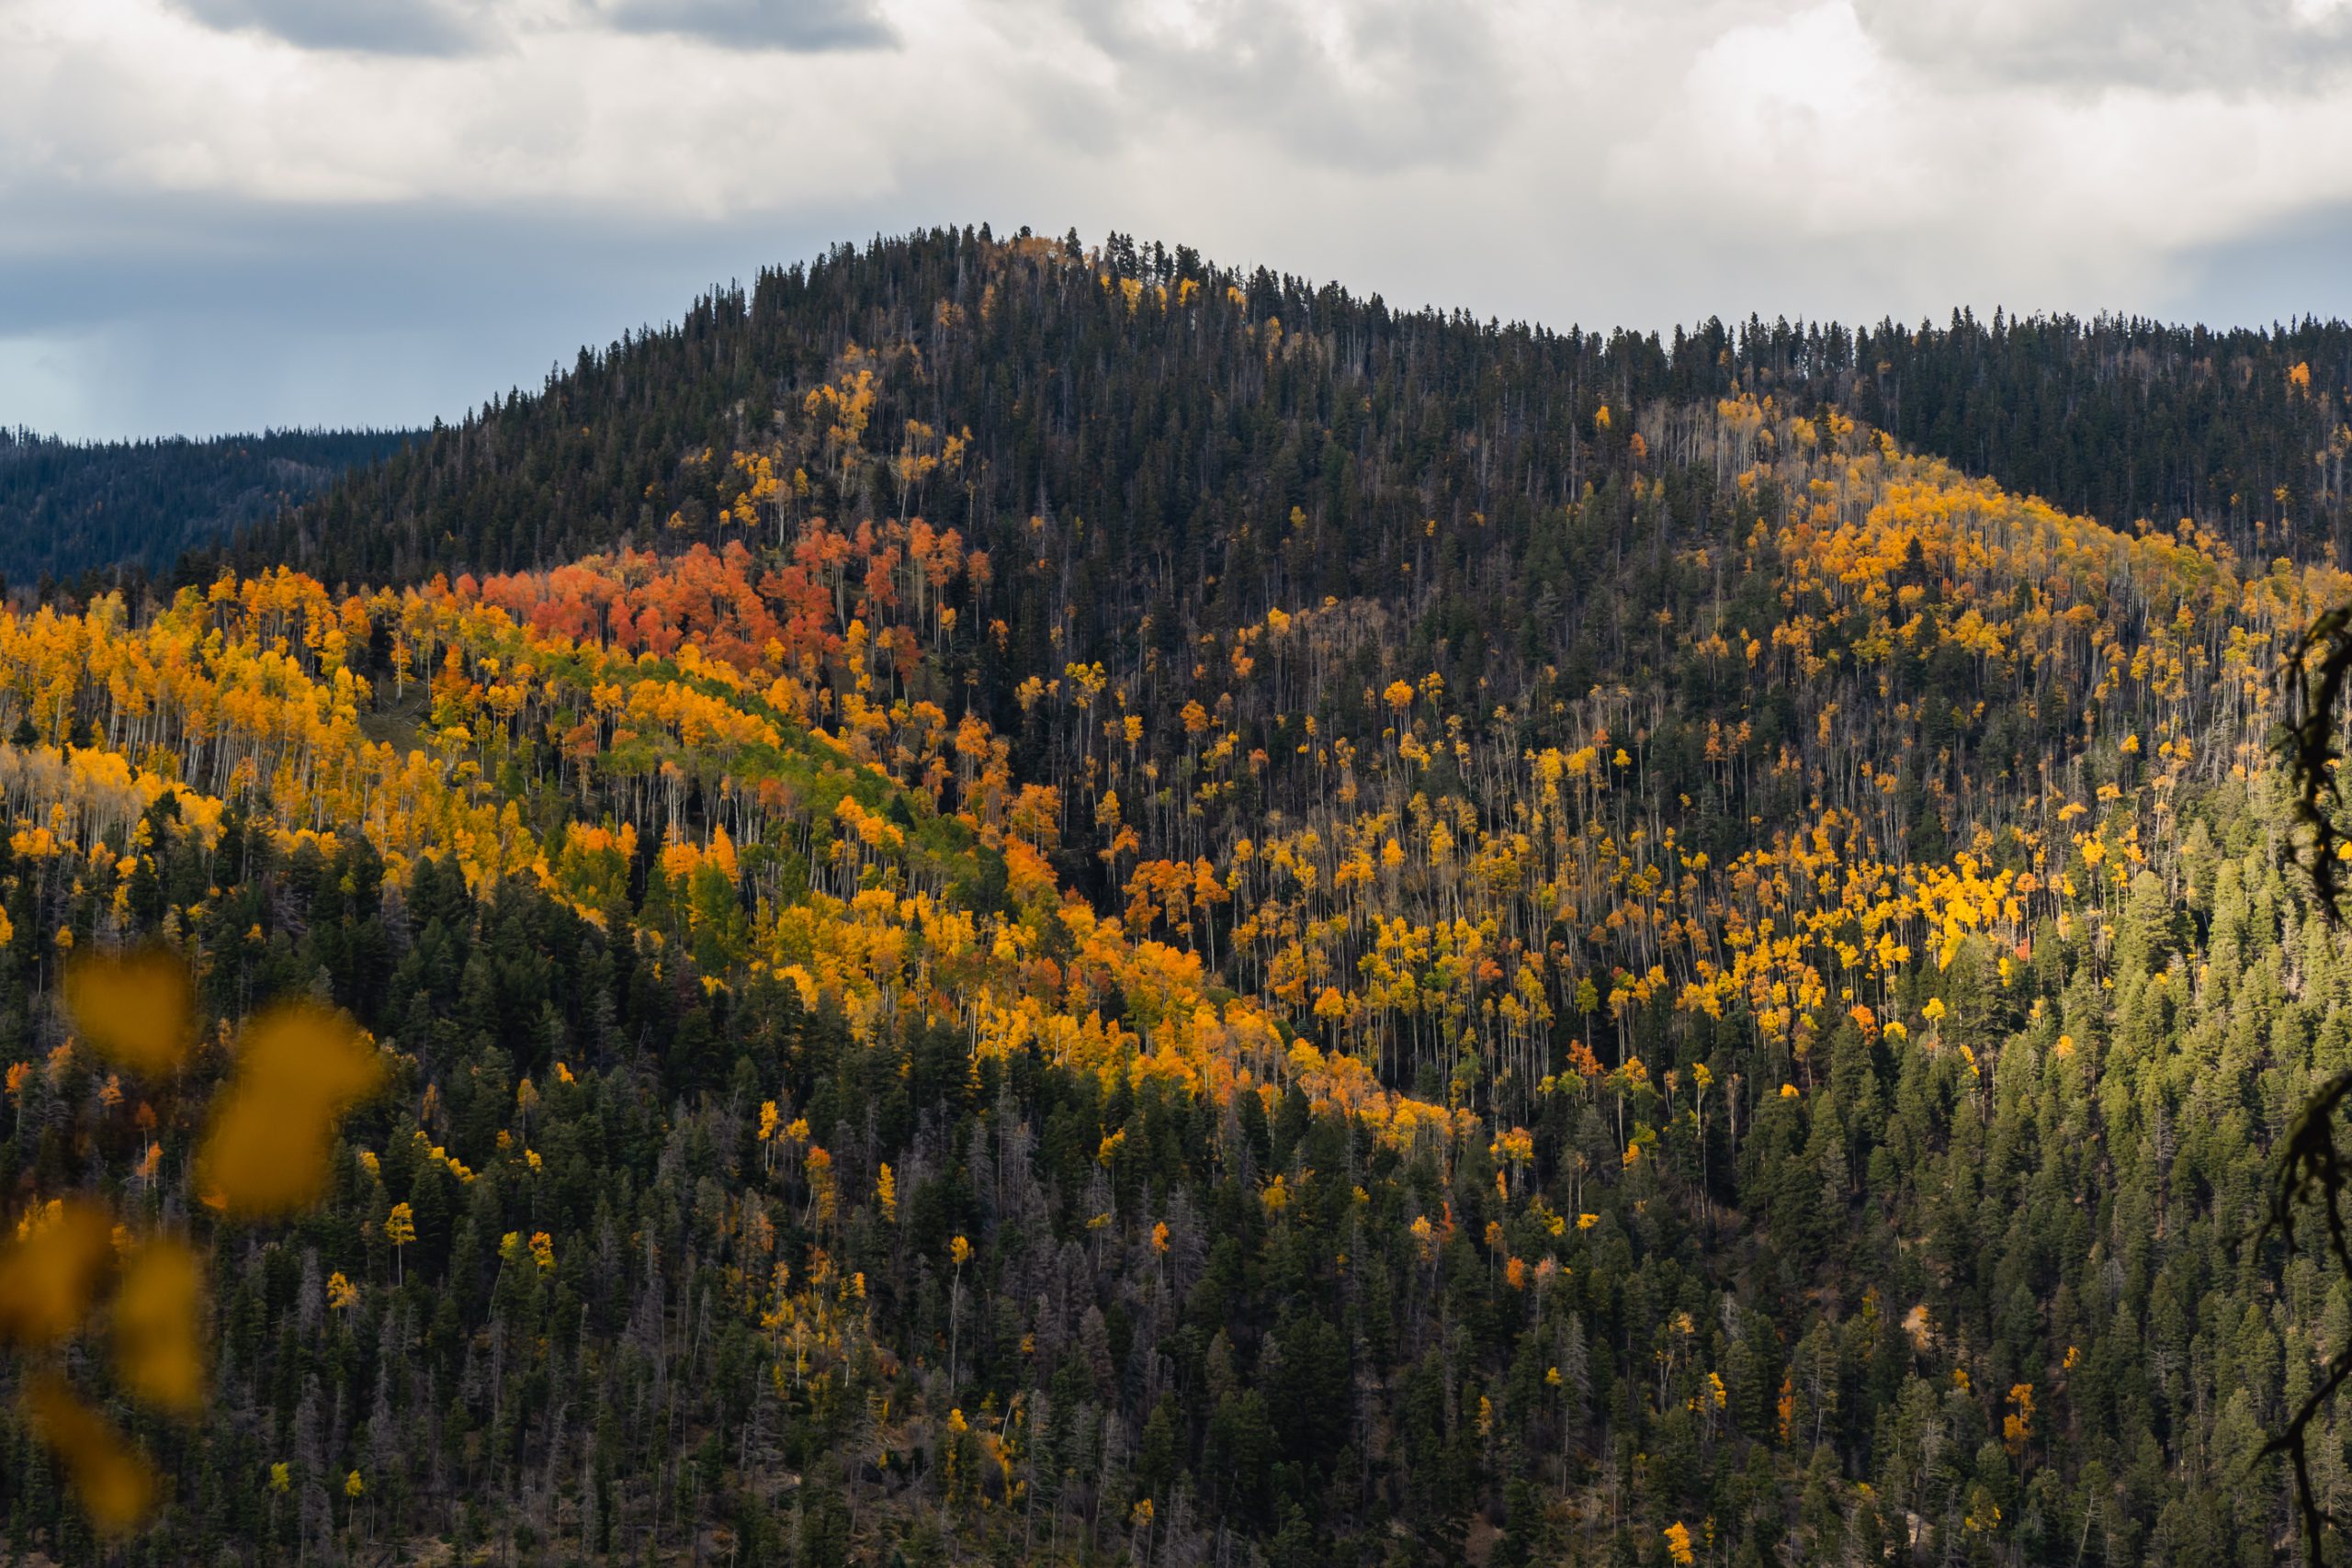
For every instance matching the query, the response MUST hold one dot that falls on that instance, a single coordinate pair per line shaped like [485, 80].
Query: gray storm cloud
[2225, 46]
[776, 24]
[424, 28]
[430, 27]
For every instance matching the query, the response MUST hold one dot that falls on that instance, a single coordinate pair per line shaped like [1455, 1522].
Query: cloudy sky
[223, 214]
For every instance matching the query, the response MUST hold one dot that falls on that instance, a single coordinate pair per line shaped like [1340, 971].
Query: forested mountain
[1022, 905]
[2120, 419]
[69, 506]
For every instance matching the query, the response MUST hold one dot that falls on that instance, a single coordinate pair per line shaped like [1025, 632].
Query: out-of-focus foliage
[136, 1008]
[298, 1068]
[158, 1326]
[51, 1272]
[110, 1480]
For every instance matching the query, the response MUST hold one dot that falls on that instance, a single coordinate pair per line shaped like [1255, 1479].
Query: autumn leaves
[74, 1270]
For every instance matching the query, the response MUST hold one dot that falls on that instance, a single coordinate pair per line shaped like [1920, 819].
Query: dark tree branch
[2313, 1169]
[2311, 688]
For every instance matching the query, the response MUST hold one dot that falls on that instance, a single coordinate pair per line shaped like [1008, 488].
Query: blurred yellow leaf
[158, 1326]
[110, 1476]
[300, 1066]
[137, 1009]
[50, 1274]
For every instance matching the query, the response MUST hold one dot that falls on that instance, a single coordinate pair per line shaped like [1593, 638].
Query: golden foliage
[300, 1066]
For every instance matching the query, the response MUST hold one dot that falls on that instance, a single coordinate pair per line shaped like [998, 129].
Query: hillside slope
[1734, 1010]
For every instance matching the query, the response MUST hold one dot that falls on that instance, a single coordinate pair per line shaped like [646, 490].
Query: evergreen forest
[72, 507]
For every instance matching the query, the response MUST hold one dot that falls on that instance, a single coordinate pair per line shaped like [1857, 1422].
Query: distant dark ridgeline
[72, 507]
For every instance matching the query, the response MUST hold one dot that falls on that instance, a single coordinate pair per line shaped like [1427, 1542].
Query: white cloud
[1787, 120]
[1985, 187]
[1560, 159]
[1357, 84]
